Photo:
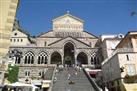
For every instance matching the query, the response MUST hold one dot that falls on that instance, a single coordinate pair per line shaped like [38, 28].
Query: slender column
[62, 58]
[22, 60]
[49, 59]
[35, 59]
[89, 60]
[75, 58]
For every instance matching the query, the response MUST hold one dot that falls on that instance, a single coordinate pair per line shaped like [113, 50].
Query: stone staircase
[49, 73]
[81, 82]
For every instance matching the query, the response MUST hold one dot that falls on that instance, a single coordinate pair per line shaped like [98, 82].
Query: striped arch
[42, 58]
[82, 58]
[94, 59]
[56, 58]
[29, 57]
[69, 41]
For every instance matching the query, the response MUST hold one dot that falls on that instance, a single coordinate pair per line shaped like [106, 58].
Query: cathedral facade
[67, 43]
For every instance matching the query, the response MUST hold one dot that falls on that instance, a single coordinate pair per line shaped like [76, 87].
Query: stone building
[8, 10]
[120, 69]
[7, 15]
[65, 43]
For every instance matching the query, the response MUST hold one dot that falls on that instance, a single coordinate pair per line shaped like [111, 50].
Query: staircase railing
[95, 86]
[51, 85]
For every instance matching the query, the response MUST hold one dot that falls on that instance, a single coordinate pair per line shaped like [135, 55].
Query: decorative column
[62, 56]
[49, 59]
[89, 60]
[75, 58]
[35, 59]
[22, 59]
[62, 59]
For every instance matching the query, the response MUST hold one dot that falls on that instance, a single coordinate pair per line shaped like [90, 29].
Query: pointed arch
[69, 49]
[82, 58]
[29, 58]
[17, 54]
[42, 58]
[56, 58]
[69, 41]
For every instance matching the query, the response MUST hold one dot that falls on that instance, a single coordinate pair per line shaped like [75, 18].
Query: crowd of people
[72, 70]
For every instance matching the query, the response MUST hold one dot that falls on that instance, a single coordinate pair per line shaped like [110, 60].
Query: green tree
[13, 73]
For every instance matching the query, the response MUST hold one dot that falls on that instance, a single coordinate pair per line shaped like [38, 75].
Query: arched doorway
[69, 53]
[82, 58]
[56, 58]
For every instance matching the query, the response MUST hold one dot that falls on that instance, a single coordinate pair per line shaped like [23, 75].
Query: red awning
[93, 72]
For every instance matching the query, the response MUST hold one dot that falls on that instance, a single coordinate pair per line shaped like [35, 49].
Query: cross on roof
[68, 12]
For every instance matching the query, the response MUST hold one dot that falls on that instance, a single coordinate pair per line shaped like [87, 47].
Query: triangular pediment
[66, 16]
[68, 22]
[18, 33]
[63, 41]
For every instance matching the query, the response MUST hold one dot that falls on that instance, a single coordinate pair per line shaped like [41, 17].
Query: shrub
[13, 73]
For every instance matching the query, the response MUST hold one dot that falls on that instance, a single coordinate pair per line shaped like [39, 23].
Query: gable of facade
[62, 42]
[62, 34]
[66, 26]
[129, 41]
[67, 22]
[19, 37]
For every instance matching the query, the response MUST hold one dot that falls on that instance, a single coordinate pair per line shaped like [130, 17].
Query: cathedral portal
[69, 54]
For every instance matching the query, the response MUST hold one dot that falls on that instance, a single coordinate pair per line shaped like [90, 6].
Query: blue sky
[100, 16]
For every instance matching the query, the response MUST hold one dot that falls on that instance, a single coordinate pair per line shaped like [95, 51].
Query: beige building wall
[19, 38]
[108, 46]
[129, 64]
[111, 69]
[123, 62]
[130, 41]
[7, 15]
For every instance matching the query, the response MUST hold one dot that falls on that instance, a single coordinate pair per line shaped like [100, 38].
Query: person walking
[69, 76]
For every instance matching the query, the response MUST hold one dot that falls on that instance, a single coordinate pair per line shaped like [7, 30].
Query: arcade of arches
[56, 58]
[69, 56]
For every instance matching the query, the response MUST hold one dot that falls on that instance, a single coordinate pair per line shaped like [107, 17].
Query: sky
[100, 16]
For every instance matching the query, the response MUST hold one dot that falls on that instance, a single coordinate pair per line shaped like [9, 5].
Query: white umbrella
[34, 86]
[16, 84]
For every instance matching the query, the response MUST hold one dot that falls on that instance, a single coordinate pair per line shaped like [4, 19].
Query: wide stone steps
[49, 73]
[81, 83]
